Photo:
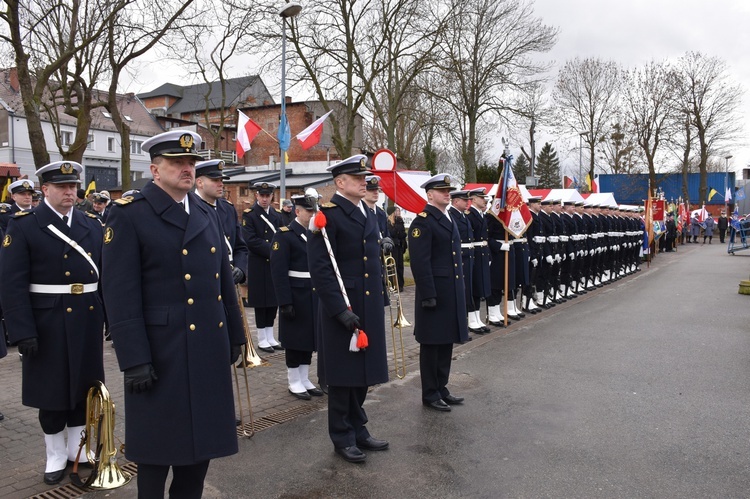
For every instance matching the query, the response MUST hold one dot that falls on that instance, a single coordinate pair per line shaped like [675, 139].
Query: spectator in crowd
[709, 225]
[722, 223]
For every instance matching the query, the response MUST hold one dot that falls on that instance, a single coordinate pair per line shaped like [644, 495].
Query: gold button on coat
[67, 273]
[213, 250]
[192, 327]
[221, 324]
[187, 277]
[190, 301]
[69, 309]
[184, 252]
[217, 275]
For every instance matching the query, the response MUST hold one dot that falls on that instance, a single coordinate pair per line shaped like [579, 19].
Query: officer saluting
[50, 272]
[175, 320]
[440, 310]
[355, 247]
[209, 186]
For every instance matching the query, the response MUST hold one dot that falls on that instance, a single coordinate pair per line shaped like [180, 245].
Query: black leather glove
[287, 311]
[386, 244]
[139, 379]
[349, 319]
[238, 275]
[234, 353]
[429, 303]
[28, 347]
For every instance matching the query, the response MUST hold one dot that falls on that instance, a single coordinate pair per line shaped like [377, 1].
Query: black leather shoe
[486, 329]
[324, 389]
[497, 324]
[351, 454]
[301, 396]
[315, 392]
[438, 405]
[54, 477]
[451, 400]
[477, 330]
[277, 347]
[372, 444]
[266, 349]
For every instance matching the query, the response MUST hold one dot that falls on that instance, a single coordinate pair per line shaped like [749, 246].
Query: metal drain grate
[70, 491]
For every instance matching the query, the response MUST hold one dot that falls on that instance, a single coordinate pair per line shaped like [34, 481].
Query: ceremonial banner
[508, 206]
[658, 210]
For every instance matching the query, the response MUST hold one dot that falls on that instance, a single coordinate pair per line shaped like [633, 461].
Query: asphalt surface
[638, 389]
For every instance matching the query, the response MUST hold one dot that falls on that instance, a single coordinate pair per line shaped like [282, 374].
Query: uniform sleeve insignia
[415, 233]
[422, 214]
[6, 241]
[275, 246]
[243, 222]
[284, 229]
[109, 233]
[123, 201]
[21, 213]
[328, 205]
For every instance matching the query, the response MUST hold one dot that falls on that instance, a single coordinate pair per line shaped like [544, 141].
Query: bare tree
[711, 100]
[647, 98]
[533, 111]
[486, 54]
[618, 149]
[586, 97]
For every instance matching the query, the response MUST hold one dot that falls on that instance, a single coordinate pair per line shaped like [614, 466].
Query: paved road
[637, 390]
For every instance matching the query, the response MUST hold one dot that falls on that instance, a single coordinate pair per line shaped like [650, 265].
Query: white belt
[299, 274]
[564, 239]
[522, 240]
[480, 244]
[467, 245]
[64, 289]
[553, 239]
[539, 239]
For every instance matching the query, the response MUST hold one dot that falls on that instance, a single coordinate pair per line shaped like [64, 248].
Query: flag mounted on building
[92, 186]
[508, 206]
[285, 135]
[247, 129]
[311, 135]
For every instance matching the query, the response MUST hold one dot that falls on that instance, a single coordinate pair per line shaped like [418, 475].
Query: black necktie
[65, 219]
[182, 205]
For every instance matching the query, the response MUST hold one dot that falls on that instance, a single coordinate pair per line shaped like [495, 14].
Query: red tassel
[320, 220]
[362, 342]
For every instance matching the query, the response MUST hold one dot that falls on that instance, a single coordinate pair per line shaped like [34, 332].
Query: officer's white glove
[505, 247]
[534, 262]
[558, 258]
[550, 260]
[572, 256]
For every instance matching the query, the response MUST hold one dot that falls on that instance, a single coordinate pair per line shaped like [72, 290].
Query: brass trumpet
[98, 437]
[250, 358]
[399, 363]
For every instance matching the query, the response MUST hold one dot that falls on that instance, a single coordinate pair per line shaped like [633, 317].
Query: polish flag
[311, 135]
[247, 129]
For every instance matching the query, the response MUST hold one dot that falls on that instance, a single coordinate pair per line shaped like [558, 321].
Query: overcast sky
[632, 32]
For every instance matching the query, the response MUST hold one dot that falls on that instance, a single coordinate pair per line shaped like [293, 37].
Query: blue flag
[284, 135]
[740, 194]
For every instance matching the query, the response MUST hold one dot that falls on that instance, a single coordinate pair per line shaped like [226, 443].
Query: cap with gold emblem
[173, 144]
[23, 185]
[307, 202]
[439, 181]
[460, 195]
[355, 165]
[373, 182]
[101, 197]
[213, 168]
[264, 187]
[36, 196]
[60, 172]
[477, 191]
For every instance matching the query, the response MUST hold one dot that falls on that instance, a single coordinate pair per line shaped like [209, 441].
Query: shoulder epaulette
[467, 212]
[91, 215]
[227, 202]
[422, 214]
[21, 213]
[247, 210]
[123, 201]
[277, 210]
[328, 205]
[284, 229]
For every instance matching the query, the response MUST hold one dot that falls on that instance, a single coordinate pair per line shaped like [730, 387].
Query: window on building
[66, 138]
[106, 114]
[244, 192]
[135, 146]
[111, 144]
[90, 143]
[128, 118]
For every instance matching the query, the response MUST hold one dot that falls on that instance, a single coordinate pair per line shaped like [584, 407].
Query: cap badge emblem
[66, 168]
[186, 141]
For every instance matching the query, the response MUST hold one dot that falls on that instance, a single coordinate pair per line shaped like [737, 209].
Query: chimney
[287, 99]
[14, 79]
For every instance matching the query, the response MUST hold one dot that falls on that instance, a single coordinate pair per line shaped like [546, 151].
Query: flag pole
[505, 287]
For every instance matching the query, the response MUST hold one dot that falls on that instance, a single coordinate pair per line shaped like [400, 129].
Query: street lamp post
[726, 181]
[290, 10]
[580, 158]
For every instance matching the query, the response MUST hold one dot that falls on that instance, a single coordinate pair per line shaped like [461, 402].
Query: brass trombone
[399, 359]
[250, 358]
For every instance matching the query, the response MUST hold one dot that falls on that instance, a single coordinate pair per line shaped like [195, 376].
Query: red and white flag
[508, 206]
[311, 135]
[247, 129]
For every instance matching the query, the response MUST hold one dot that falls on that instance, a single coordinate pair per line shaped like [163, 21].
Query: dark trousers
[187, 481]
[346, 416]
[264, 316]
[53, 422]
[296, 358]
[398, 255]
[722, 232]
[435, 369]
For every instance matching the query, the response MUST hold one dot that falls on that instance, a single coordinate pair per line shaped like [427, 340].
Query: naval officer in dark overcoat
[49, 267]
[21, 193]
[354, 239]
[259, 224]
[209, 186]
[440, 304]
[298, 304]
[175, 321]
